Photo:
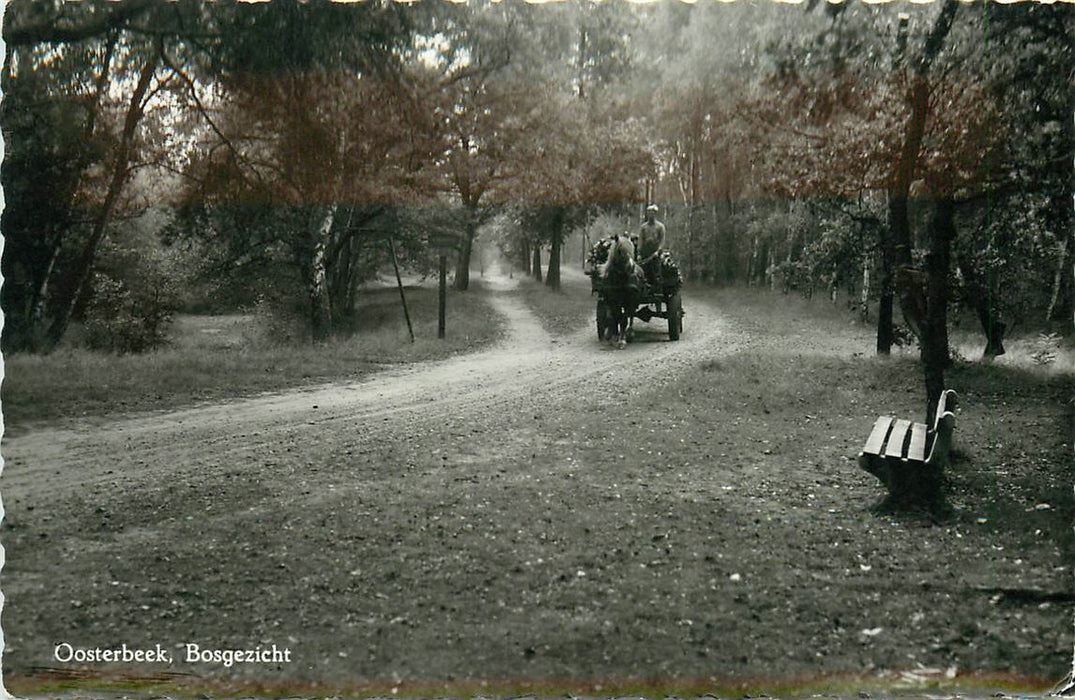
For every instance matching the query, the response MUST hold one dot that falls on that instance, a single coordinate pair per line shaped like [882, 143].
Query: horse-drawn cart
[656, 297]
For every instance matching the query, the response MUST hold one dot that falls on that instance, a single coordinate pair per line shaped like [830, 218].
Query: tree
[314, 121]
[104, 77]
[1023, 241]
[466, 69]
[701, 139]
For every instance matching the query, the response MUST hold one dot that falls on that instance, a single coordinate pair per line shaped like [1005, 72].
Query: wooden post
[864, 306]
[399, 284]
[442, 302]
[445, 243]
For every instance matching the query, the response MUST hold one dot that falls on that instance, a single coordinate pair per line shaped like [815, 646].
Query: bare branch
[193, 91]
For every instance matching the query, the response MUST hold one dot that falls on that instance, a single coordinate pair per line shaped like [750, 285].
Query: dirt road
[196, 523]
[528, 371]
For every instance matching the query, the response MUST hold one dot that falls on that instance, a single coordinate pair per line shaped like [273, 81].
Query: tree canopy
[289, 140]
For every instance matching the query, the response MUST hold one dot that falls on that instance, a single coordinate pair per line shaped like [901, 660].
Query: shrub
[903, 336]
[126, 319]
[1046, 347]
[280, 322]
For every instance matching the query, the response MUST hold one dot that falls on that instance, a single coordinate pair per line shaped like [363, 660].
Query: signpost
[445, 243]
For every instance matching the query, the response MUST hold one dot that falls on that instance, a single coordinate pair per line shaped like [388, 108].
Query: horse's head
[624, 248]
[621, 255]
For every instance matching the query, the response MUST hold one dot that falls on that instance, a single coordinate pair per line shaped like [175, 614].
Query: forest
[208, 156]
[218, 431]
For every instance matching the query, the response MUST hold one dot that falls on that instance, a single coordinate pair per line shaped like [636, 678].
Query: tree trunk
[525, 255]
[40, 301]
[935, 354]
[462, 266]
[320, 302]
[909, 293]
[722, 241]
[81, 273]
[770, 270]
[911, 303]
[354, 277]
[339, 279]
[536, 266]
[693, 207]
[753, 265]
[581, 64]
[1058, 280]
[787, 278]
[980, 296]
[690, 242]
[886, 298]
[993, 328]
[864, 293]
[552, 276]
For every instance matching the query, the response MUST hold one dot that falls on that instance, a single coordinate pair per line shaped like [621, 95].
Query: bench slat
[877, 436]
[917, 449]
[896, 439]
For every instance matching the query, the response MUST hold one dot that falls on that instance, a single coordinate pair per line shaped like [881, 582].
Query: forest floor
[551, 516]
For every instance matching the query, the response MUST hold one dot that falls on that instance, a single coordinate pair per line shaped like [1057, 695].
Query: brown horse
[624, 281]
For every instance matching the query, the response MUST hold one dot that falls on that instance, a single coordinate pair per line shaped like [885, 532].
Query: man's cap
[653, 207]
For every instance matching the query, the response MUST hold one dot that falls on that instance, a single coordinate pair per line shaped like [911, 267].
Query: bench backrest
[944, 423]
[946, 404]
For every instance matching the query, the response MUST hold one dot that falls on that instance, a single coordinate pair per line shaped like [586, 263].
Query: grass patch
[777, 309]
[219, 357]
[768, 438]
[1013, 427]
[965, 338]
[561, 312]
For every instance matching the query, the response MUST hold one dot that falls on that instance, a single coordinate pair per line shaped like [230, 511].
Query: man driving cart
[650, 245]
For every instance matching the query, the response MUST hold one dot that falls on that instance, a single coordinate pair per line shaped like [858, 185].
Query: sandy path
[527, 368]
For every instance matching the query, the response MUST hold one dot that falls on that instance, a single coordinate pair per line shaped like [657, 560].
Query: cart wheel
[675, 317]
[602, 319]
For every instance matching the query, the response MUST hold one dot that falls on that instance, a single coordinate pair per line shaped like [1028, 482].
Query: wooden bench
[908, 458]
